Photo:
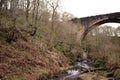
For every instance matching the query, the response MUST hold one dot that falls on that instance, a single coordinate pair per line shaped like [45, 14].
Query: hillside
[21, 61]
[34, 39]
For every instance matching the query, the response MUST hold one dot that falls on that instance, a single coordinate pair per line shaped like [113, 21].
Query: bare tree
[54, 4]
[27, 11]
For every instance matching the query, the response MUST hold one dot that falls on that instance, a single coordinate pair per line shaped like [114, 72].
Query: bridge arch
[86, 31]
[88, 23]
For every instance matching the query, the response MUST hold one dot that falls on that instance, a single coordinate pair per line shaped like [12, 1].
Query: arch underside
[98, 24]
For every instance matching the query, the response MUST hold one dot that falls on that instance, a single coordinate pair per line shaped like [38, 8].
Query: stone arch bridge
[88, 23]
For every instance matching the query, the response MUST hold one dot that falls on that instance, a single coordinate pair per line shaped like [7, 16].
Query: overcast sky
[84, 8]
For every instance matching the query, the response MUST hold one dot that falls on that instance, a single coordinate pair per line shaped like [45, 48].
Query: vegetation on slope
[34, 39]
[21, 60]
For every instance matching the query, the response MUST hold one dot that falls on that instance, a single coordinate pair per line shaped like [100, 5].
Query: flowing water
[74, 72]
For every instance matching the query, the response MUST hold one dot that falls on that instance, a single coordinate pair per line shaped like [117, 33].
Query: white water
[72, 74]
[83, 65]
[75, 73]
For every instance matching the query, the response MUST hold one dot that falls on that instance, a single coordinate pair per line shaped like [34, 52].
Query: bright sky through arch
[84, 8]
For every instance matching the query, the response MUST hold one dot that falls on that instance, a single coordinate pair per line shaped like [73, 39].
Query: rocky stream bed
[82, 70]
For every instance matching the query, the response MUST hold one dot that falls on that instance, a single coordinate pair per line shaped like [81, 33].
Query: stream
[79, 68]
[71, 73]
[74, 73]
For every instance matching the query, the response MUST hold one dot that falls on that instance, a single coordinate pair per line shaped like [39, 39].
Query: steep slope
[21, 61]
